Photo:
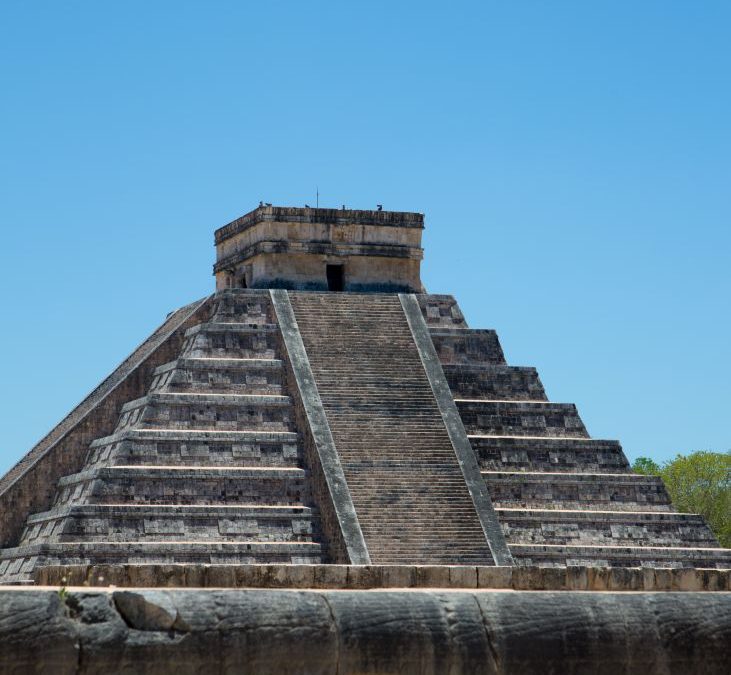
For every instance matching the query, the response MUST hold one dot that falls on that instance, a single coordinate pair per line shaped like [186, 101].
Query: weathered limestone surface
[404, 632]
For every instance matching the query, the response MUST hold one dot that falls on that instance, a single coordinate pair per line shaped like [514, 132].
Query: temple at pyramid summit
[323, 407]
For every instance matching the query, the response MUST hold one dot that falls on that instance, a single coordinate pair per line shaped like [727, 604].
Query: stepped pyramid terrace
[323, 421]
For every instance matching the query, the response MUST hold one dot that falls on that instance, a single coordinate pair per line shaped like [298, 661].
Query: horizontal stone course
[620, 556]
[321, 216]
[521, 418]
[153, 447]
[612, 528]
[117, 522]
[185, 485]
[231, 340]
[224, 412]
[467, 346]
[220, 375]
[17, 564]
[588, 491]
[571, 455]
[367, 577]
[494, 382]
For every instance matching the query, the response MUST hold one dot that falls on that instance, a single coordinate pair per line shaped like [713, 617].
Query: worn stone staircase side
[407, 484]
[207, 467]
[561, 496]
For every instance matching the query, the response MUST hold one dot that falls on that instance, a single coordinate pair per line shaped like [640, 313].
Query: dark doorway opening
[243, 282]
[335, 277]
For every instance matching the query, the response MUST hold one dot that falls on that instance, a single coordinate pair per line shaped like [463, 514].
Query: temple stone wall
[277, 247]
[307, 272]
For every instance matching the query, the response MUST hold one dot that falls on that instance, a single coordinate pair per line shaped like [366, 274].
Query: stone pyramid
[320, 408]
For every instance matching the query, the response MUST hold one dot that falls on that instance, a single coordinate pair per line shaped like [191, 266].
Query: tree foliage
[697, 483]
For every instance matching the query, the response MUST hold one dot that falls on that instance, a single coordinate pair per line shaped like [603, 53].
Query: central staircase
[407, 487]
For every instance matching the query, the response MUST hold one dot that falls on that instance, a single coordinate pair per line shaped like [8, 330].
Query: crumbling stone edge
[340, 632]
[339, 517]
[457, 434]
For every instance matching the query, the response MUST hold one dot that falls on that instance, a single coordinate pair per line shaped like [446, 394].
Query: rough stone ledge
[363, 577]
[340, 632]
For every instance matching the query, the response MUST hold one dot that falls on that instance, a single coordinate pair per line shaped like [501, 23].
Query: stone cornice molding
[284, 214]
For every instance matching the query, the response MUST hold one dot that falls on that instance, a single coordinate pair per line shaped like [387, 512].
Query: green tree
[697, 483]
[646, 466]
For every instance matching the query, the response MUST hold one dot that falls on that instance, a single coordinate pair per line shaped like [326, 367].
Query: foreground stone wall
[426, 632]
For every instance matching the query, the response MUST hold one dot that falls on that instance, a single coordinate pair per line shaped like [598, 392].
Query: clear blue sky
[573, 160]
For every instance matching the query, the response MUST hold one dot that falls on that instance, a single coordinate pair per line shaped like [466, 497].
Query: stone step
[610, 528]
[494, 382]
[467, 346]
[406, 480]
[184, 447]
[184, 485]
[592, 491]
[223, 412]
[545, 555]
[404, 462]
[428, 460]
[231, 340]
[441, 311]
[125, 522]
[17, 564]
[520, 418]
[219, 375]
[565, 454]
[367, 399]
